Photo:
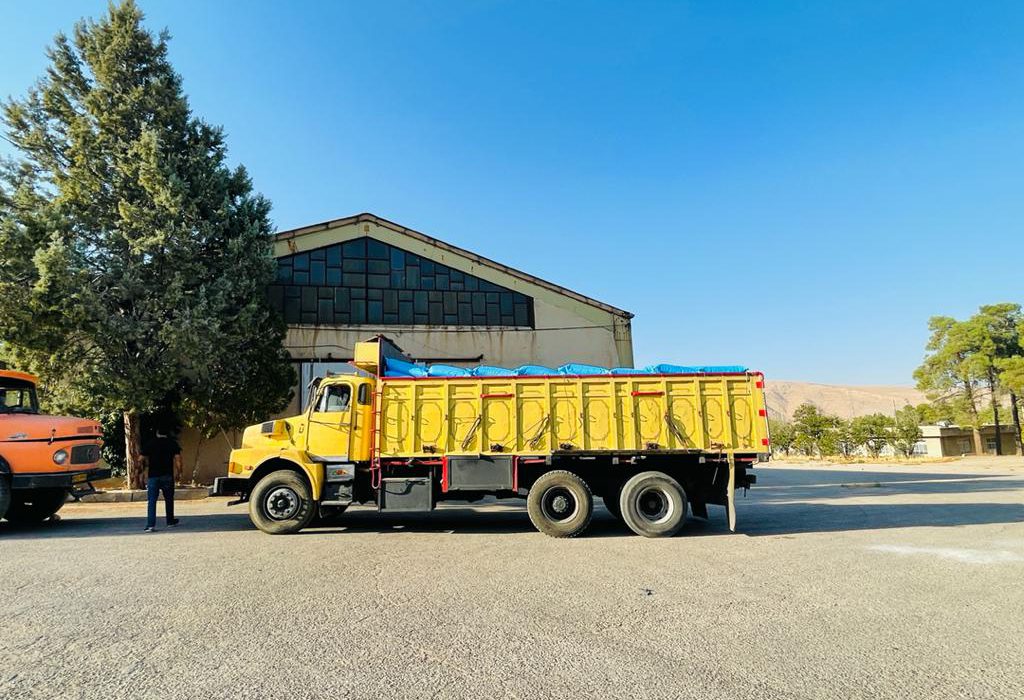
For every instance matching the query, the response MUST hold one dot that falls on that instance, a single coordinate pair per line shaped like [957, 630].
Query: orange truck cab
[43, 458]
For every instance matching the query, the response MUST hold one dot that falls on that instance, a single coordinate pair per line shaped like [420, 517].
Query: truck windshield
[17, 396]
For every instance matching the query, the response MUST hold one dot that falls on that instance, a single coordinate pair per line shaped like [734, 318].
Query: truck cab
[42, 458]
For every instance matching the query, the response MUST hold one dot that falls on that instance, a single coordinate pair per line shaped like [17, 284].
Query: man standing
[163, 457]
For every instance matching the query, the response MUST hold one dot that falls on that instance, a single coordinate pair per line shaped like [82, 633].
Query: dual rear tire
[651, 504]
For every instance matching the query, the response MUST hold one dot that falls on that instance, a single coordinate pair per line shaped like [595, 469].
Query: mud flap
[730, 494]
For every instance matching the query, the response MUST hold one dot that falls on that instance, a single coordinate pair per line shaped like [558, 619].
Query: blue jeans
[154, 486]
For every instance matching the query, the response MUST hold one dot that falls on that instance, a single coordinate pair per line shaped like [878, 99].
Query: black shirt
[160, 452]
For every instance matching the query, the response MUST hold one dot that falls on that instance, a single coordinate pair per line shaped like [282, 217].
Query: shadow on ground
[786, 502]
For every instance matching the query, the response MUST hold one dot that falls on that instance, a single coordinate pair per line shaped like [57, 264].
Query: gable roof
[430, 240]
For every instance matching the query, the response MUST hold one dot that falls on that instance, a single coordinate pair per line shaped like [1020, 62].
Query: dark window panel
[353, 265]
[376, 250]
[375, 312]
[301, 261]
[436, 314]
[391, 318]
[506, 303]
[397, 259]
[479, 304]
[405, 295]
[390, 301]
[493, 315]
[507, 320]
[427, 267]
[420, 302]
[277, 297]
[340, 317]
[308, 299]
[465, 314]
[309, 317]
[358, 312]
[341, 299]
[398, 279]
[325, 311]
[375, 294]
[451, 302]
[334, 276]
[284, 273]
[479, 320]
[293, 292]
[358, 293]
[471, 284]
[325, 293]
[378, 267]
[412, 277]
[317, 270]
[426, 283]
[422, 319]
[292, 311]
[455, 275]
[435, 296]
[318, 254]
[405, 314]
[451, 319]
[441, 281]
[522, 318]
[351, 279]
[456, 286]
[301, 278]
[492, 297]
[464, 297]
[354, 249]
[334, 256]
[378, 281]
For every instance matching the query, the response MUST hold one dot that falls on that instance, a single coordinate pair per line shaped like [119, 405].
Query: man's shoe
[173, 523]
[150, 529]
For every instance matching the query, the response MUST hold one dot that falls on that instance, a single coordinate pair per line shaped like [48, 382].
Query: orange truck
[43, 459]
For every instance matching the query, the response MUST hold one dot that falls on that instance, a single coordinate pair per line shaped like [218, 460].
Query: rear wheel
[653, 504]
[560, 504]
[5, 495]
[281, 503]
[33, 506]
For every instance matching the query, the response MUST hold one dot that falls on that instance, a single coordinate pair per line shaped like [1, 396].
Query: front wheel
[5, 495]
[560, 504]
[653, 504]
[281, 503]
[33, 506]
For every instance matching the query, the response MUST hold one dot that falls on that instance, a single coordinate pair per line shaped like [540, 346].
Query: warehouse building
[342, 281]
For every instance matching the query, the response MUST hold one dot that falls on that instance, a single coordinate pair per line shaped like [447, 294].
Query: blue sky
[794, 186]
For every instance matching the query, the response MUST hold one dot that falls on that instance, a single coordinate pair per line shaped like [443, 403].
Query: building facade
[342, 281]
[954, 441]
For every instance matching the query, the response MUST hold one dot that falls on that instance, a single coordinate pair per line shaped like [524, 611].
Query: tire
[5, 495]
[653, 504]
[281, 503]
[33, 506]
[560, 504]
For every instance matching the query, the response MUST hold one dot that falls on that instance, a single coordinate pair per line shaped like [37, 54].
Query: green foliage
[133, 259]
[871, 431]
[905, 431]
[782, 435]
[815, 431]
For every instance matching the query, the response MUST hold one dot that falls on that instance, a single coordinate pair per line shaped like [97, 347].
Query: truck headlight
[60, 456]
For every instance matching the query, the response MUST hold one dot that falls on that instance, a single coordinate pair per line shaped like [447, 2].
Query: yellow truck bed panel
[543, 415]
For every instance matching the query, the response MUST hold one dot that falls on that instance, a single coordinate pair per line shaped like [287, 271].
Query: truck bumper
[229, 486]
[58, 480]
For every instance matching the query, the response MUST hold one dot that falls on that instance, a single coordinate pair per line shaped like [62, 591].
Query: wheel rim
[559, 504]
[654, 505]
[282, 503]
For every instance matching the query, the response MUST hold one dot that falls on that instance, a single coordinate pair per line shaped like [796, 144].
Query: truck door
[330, 423]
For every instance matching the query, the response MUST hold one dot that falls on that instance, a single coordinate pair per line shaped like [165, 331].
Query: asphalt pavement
[863, 581]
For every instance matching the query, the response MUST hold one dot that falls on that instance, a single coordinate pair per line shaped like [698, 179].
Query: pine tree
[133, 260]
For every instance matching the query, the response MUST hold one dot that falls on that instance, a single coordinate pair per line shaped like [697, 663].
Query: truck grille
[85, 454]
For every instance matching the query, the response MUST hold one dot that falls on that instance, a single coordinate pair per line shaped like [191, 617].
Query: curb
[186, 493]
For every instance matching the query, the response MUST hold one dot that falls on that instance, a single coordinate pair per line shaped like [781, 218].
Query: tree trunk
[1015, 412]
[979, 445]
[133, 451]
[995, 411]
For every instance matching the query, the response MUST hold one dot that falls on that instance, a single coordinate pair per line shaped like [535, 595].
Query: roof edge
[398, 228]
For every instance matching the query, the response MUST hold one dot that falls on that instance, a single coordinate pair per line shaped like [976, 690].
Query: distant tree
[815, 431]
[133, 261]
[993, 333]
[846, 441]
[905, 431]
[872, 431]
[948, 375]
[782, 435]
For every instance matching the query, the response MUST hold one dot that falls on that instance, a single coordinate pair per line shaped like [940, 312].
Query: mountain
[845, 401]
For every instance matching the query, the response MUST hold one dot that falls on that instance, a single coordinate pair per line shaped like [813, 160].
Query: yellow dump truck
[649, 444]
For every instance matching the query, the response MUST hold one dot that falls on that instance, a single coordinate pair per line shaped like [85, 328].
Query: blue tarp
[400, 368]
